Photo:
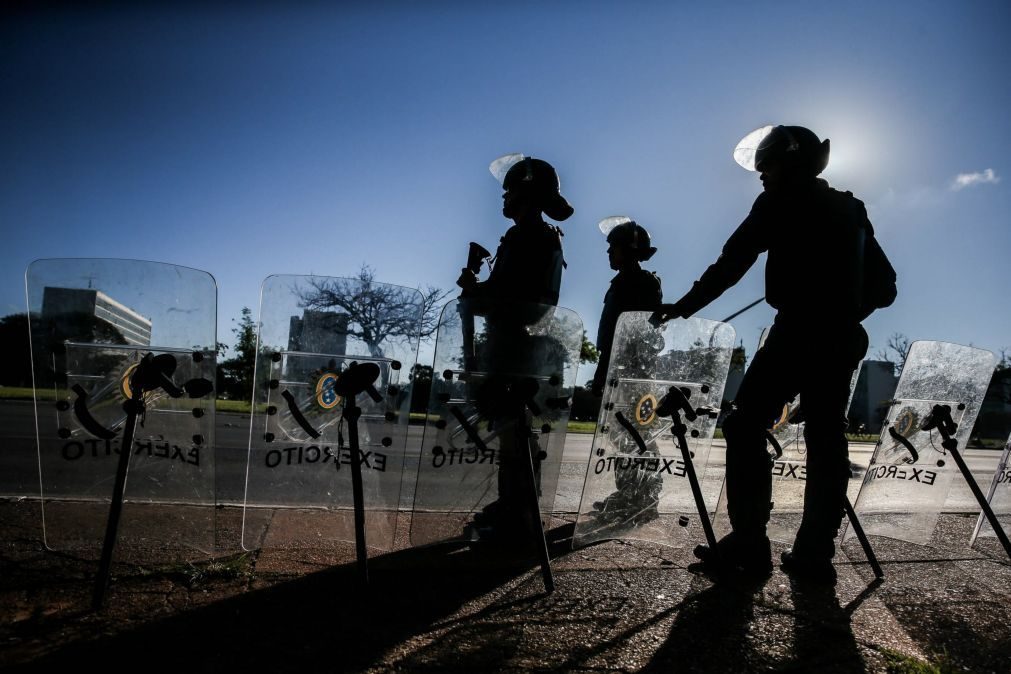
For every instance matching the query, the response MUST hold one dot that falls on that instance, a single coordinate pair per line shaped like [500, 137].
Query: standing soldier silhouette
[527, 270]
[824, 275]
[632, 289]
[528, 262]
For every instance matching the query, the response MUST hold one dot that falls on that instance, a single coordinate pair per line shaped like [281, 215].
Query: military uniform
[823, 276]
[527, 271]
[630, 290]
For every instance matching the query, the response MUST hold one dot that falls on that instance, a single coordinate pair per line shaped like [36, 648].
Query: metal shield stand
[153, 372]
[359, 378]
[940, 418]
[672, 405]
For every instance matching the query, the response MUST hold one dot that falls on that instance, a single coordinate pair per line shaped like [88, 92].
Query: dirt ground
[618, 607]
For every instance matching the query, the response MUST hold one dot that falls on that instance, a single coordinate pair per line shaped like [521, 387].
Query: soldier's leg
[824, 399]
[767, 386]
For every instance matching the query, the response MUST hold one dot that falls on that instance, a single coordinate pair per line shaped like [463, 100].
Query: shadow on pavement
[316, 622]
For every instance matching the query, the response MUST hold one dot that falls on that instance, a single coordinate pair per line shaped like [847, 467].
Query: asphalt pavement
[617, 607]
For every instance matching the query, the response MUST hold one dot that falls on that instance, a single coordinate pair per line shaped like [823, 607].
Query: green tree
[587, 351]
[235, 375]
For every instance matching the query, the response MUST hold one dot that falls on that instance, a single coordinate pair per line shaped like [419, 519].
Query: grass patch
[25, 393]
[899, 663]
[234, 406]
[192, 575]
[582, 426]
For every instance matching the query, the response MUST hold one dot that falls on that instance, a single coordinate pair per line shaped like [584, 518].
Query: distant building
[993, 425]
[318, 332]
[874, 389]
[738, 362]
[64, 302]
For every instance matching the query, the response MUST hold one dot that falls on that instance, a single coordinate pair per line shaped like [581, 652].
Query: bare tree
[1005, 360]
[896, 350]
[376, 311]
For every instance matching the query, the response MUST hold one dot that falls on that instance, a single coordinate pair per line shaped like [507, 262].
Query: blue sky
[249, 142]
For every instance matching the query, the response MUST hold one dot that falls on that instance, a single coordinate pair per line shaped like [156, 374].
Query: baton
[741, 311]
[476, 255]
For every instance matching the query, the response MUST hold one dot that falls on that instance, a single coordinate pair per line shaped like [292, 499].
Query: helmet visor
[500, 167]
[744, 153]
[609, 223]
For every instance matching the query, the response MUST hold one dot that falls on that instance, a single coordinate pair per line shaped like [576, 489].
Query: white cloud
[963, 180]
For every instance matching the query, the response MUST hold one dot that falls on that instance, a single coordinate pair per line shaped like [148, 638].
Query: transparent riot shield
[298, 479]
[999, 498]
[910, 472]
[471, 473]
[637, 484]
[93, 323]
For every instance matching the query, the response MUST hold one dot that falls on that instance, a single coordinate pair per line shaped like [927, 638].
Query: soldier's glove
[467, 280]
[665, 313]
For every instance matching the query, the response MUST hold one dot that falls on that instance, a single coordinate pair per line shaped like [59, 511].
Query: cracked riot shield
[298, 480]
[910, 473]
[470, 464]
[641, 490]
[999, 498]
[789, 471]
[92, 321]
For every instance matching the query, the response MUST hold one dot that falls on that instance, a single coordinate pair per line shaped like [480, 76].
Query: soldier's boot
[750, 555]
[806, 568]
[810, 559]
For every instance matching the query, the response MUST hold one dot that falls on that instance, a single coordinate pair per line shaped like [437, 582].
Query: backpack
[877, 280]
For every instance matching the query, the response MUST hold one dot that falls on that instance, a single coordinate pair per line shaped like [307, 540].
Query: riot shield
[999, 498]
[637, 482]
[471, 471]
[94, 324]
[298, 476]
[910, 472]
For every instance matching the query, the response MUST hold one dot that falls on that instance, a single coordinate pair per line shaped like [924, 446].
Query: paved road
[19, 472]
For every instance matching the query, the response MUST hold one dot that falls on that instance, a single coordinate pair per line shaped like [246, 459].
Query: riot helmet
[535, 178]
[622, 230]
[796, 147]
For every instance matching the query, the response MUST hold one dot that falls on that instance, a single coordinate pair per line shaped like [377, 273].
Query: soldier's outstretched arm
[739, 253]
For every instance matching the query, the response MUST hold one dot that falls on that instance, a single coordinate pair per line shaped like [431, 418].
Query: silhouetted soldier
[527, 270]
[632, 289]
[528, 262]
[825, 274]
